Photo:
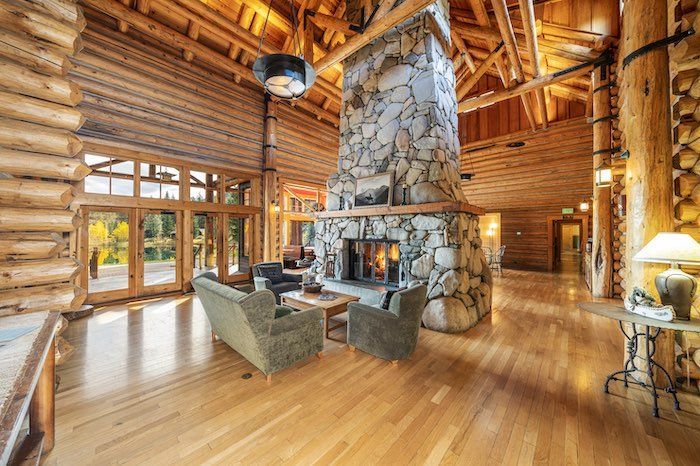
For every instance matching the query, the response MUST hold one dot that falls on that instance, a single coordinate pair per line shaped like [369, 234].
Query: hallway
[146, 384]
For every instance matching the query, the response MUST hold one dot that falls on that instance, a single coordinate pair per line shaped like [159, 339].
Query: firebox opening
[375, 261]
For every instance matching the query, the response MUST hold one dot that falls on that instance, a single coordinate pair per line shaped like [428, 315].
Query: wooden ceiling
[224, 35]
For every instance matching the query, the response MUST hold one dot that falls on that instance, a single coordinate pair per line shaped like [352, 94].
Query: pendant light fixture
[284, 75]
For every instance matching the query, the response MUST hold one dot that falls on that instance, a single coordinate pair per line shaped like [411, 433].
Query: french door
[130, 252]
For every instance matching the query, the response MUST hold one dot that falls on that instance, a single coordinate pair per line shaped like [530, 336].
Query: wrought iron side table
[649, 329]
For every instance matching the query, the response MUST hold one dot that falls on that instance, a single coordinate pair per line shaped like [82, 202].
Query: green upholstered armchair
[388, 334]
[247, 323]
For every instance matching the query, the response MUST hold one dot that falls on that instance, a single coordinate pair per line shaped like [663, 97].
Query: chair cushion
[386, 298]
[281, 287]
[272, 272]
[281, 311]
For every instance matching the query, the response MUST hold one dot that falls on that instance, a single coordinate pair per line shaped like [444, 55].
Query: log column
[646, 128]
[270, 195]
[40, 156]
[601, 259]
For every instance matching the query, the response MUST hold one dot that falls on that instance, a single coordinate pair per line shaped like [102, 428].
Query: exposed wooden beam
[527, 12]
[491, 98]
[169, 36]
[467, 85]
[464, 56]
[378, 27]
[332, 23]
[504, 25]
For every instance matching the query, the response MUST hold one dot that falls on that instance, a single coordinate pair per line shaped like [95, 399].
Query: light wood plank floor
[147, 386]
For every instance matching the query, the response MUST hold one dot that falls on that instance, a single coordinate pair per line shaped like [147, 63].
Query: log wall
[307, 149]
[685, 88]
[526, 184]
[145, 99]
[39, 155]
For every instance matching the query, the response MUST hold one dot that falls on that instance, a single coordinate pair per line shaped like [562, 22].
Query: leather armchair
[288, 282]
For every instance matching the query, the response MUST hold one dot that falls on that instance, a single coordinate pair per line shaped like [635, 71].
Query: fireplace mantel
[433, 207]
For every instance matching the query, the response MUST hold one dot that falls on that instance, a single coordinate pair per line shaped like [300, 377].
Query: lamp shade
[284, 76]
[670, 248]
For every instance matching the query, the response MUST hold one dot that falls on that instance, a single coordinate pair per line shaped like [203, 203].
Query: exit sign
[567, 210]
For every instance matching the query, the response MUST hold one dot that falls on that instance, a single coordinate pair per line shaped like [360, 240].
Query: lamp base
[676, 288]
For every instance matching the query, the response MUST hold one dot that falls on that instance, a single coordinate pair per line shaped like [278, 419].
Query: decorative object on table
[311, 287]
[375, 190]
[286, 76]
[643, 303]
[327, 297]
[675, 287]
[404, 190]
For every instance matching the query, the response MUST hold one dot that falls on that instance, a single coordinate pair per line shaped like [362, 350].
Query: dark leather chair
[270, 276]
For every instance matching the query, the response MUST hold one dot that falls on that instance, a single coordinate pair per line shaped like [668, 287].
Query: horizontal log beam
[37, 272]
[16, 192]
[30, 109]
[19, 163]
[18, 219]
[520, 89]
[61, 297]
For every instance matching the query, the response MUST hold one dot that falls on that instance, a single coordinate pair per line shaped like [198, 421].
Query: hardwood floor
[147, 385]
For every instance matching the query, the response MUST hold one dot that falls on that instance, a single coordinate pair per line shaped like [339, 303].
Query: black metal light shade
[283, 75]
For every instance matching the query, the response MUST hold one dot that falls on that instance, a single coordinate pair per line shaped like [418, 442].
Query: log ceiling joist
[504, 40]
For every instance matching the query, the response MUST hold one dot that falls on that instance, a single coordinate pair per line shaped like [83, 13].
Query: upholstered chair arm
[262, 283]
[293, 321]
[291, 277]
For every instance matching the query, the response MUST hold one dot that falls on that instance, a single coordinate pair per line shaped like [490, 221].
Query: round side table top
[618, 312]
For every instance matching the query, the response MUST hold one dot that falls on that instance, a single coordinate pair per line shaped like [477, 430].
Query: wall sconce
[276, 207]
[603, 175]
[584, 206]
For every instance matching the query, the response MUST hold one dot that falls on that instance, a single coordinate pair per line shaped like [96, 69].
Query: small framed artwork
[374, 191]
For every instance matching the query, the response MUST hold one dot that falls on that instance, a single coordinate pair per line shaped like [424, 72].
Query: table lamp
[675, 287]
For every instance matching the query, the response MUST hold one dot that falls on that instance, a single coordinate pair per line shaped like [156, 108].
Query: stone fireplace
[399, 115]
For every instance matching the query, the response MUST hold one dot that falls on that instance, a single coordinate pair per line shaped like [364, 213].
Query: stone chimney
[399, 115]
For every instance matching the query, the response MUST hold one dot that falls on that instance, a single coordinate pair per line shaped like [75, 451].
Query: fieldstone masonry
[399, 115]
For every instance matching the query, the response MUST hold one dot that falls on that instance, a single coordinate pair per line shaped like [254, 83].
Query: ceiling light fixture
[284, 75]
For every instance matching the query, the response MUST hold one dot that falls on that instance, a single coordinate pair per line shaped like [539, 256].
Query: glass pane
[123, 167]
[122, 187]
[307, 234]
[97, 162]
[238, 245]
[237, 191]
[97, 184]
[379, 262]
[159, 248]
[367, 261]
[204, 228]
[169, 191]
[394, 263]
[108, 243]
[149, 189]
[197, 186]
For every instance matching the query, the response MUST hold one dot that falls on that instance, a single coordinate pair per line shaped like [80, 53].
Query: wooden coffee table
[299, 300]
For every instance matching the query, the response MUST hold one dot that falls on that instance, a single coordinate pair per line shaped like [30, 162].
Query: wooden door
[159, 252]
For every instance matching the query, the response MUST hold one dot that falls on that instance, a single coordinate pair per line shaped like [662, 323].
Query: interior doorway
[567, 236]
[568, 250]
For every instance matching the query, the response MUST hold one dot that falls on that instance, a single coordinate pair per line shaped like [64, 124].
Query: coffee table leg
[325, 323]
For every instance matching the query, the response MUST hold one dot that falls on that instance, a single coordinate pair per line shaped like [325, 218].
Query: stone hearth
[399, 115]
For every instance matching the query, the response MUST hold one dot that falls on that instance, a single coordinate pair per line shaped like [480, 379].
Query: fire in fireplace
[375, 261]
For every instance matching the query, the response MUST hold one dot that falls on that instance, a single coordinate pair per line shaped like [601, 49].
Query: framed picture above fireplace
[374, 190]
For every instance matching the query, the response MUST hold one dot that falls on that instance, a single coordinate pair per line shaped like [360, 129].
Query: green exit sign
[567, 210]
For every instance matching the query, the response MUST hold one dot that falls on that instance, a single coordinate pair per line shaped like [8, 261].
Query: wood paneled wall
[307, 149]
[142, 98]
[508, 116]
[526, 184]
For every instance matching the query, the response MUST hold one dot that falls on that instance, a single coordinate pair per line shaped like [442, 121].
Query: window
[159, 181]
[302, 233]
[204, 187]
[237, 191]
[109, 176]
